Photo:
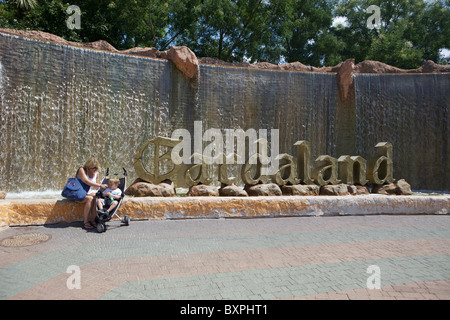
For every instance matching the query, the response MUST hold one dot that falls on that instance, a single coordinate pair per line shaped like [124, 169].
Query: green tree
[257, 30]
[434, 31]
[25, 4]
[304, 30]
[224, 29]
[49, 16]
[392, 48]
[276, 31]
[411, 32]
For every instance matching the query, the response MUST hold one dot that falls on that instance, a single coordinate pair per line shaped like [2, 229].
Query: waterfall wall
[61, 104]
[412, 112]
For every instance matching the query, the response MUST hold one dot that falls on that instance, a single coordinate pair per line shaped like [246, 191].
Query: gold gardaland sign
[229, 148]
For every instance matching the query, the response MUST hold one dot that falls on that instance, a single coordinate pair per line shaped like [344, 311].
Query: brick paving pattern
[266, 258]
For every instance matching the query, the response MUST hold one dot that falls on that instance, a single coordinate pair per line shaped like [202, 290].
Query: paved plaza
[336, 257]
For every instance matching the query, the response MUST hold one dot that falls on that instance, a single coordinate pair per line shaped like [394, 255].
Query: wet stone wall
[61, 104]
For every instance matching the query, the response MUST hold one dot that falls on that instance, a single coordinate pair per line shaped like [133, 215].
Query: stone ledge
[46, 211]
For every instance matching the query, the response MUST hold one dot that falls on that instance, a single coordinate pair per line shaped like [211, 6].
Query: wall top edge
[374, 67]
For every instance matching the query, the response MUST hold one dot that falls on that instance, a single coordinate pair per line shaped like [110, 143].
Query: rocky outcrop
[432, 67]
[48, 37]
[183, 58]
[144, 52]
[345, 79]
[186, 61]
[400, 187]
[370, 66]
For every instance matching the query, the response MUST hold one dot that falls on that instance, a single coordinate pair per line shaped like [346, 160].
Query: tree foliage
[276, 31]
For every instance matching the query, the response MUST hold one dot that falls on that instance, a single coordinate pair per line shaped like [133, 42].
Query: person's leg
[93, 212]
[100, 204]
[112, 206]
[89, 204]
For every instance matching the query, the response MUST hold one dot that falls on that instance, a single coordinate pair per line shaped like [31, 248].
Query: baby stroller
[103, 217]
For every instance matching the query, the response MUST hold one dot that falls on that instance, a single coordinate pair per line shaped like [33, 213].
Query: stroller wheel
[126, 220]
[101, 227]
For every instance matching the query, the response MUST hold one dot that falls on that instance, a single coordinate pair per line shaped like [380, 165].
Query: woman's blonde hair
[92, 162]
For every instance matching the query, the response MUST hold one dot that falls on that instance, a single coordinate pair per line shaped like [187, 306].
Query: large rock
[48, 37]
[2, 194]
[345, 79]
[335, 190]
[269, 189]
[300, 190]
[141, 188]
[203, 190]
[232, 191]
[370, 66]
[266, 66]
[400, 187]
[144, 52]
[184, 59]
[431, 67]
[99, 45]
[359, 190]
[296, 66]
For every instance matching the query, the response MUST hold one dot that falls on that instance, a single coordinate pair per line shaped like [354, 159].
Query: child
[113, 193]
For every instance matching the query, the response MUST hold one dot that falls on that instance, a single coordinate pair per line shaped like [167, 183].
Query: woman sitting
[89, 175]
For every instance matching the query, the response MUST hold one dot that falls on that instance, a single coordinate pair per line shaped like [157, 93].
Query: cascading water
[411, 112]
[302, 106]
[63, 104]
[60, 104]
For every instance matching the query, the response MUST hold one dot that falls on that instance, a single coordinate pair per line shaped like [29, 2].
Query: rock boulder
[400, 187]
[334, 190]
[300, 190]
[203, 190]
[184, 59]
[140, 188]
[232, 191]
[269, 189]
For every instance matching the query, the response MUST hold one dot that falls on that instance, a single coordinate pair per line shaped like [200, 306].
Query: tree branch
[239, 40]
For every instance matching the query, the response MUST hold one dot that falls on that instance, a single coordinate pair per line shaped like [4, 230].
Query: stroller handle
[116, 174]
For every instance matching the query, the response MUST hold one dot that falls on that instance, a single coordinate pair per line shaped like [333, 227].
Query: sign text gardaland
[229, 148]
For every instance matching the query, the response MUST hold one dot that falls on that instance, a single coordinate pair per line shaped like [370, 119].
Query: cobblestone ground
[342, 257]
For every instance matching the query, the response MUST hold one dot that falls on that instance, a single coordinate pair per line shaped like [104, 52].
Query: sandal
[89, 225]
